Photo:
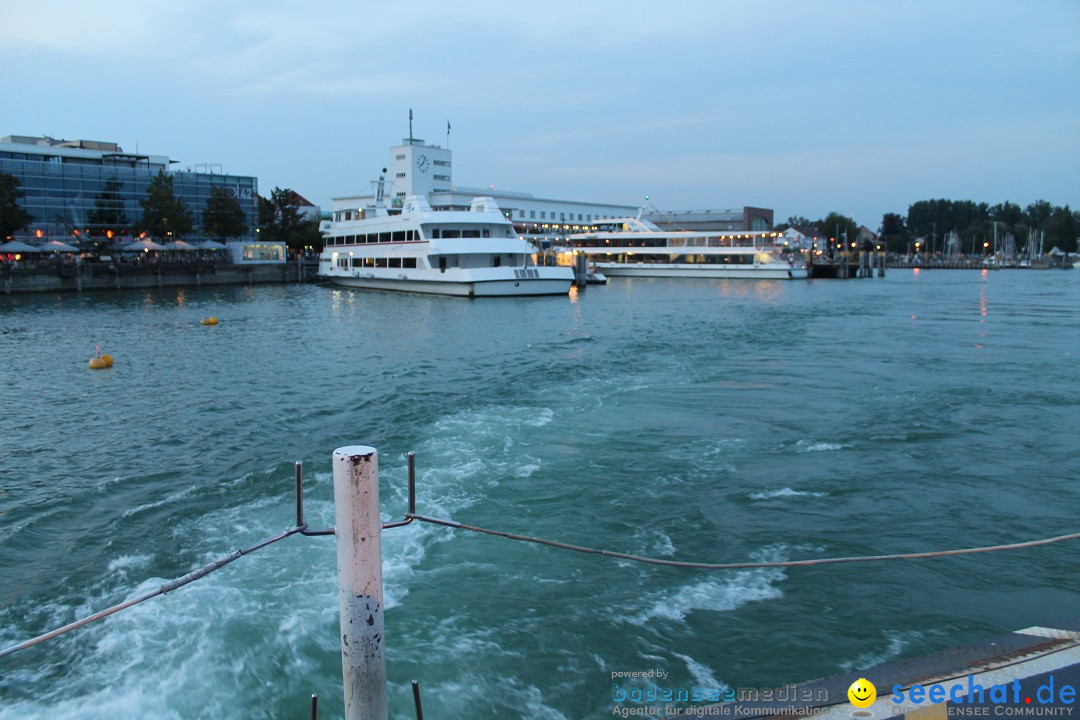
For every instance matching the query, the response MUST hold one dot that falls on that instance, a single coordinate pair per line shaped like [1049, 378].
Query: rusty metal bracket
[304, 530]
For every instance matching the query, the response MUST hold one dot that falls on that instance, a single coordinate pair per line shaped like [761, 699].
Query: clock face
[422, 163]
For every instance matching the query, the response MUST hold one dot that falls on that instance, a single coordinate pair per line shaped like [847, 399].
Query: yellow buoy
[96, 363]
[209, 321]
[108, 360]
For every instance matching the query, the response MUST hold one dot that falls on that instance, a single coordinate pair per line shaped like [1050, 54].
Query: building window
[442, 177]
[442, 163]
[400, 175]
[400, 157]
[543, 214]
[532, 214]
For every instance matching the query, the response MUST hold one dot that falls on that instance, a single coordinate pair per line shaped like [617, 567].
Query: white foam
[124, 563]
[811, 446]
[784, 492]
[715, 594]
[702, 675]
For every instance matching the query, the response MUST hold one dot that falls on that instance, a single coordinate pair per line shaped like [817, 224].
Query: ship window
[496, 260]
[395, 262]
[470, 233]
[358, 262]
[408, 262]
[348, 214]
[380, 262]
[486, 233]
[451, 233]
[410, 235]
[369, 262]
[399, 236]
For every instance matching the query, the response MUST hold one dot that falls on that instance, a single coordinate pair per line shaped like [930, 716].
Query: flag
[447, 127]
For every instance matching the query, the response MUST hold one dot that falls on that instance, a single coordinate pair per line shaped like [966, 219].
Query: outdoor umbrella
[18, 247]
[211, 245]
[142, 245]
[57, 246]
[180, 245]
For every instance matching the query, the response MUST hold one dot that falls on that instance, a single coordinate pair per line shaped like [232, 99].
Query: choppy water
[698, 420]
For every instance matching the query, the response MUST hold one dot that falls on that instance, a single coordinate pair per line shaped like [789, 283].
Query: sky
[855, 106]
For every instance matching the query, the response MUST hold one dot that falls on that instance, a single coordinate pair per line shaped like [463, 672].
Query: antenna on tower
[410, 126]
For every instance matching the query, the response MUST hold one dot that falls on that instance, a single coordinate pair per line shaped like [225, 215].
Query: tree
[164, 214]
[1038, 214]
[839, 227]
[894, 232]
[223, 217]
[13, 217]
[1007, 212]
[798, 221]
[108, 213]
[1061, 229]
[282, 222]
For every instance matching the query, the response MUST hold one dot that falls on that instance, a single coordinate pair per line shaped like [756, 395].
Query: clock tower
[416, 168]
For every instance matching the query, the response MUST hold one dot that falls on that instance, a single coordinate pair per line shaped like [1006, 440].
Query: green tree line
[973, 222]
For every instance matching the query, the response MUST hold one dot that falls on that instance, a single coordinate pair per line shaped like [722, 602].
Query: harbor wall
[120, 277]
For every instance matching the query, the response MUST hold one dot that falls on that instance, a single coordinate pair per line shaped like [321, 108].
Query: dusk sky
[858, 106]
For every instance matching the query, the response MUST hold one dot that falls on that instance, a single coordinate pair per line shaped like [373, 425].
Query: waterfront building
[745, 219]
[417, 168]
[66, 185]
[806, 238]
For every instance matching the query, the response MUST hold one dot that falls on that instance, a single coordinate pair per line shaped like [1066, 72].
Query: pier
[844, 265]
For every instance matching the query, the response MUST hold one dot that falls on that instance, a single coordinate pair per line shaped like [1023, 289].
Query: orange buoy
[96, 363]
[209, 321]
[108, 360]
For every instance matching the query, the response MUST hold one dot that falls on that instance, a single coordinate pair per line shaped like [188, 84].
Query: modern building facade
[68, 186]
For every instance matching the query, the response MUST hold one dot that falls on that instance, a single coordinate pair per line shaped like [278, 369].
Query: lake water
[695, 420]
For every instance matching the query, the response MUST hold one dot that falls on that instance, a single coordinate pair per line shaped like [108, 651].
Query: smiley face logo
[862, 693]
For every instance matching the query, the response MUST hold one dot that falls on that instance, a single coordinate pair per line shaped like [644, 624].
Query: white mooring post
[360, 591]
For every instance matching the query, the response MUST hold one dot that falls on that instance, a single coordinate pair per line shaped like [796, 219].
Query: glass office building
[64, 182]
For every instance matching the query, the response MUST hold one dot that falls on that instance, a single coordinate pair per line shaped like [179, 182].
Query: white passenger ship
[468, 253]
[631, 246]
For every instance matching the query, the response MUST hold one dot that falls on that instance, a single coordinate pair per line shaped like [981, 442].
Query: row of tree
[975, 223]
[165, 216]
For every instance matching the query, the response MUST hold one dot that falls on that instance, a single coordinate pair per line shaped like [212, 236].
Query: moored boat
[466, 253]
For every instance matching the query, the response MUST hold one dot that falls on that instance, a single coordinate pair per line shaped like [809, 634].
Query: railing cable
[741, 565]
